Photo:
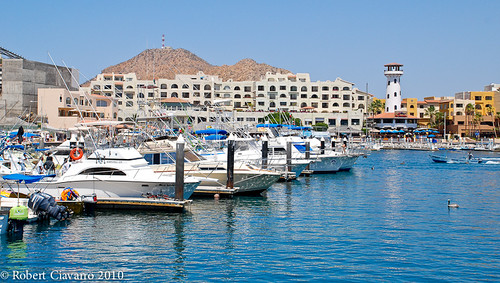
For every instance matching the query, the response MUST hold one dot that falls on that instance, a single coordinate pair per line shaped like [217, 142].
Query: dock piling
[230, 162]
[179, 168]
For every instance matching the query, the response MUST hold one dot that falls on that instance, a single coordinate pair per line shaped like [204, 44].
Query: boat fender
[74, 151]
[69, 194]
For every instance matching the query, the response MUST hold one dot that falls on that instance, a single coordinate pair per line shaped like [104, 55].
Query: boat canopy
[211, 132]
[27, 179]
[215, 137]
[269, 125]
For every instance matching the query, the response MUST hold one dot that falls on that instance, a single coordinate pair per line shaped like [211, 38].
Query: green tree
[491, 111]
[469, 110]
[320, 127]
[282, 118]
[431, 112]
[376, 107]
[477, 119]
[438, 120]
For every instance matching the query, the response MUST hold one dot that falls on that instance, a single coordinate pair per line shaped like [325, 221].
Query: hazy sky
[445, 46]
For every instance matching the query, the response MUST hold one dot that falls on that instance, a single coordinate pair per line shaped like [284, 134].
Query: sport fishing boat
[115, 172]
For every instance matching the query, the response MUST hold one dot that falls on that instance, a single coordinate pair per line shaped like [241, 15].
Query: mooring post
[179, 168]
[230, 162]
[265, 152]
[322, 145]
[308, 152]
[289, 156]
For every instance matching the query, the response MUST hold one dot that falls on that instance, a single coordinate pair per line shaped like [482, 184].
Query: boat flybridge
[115, 172]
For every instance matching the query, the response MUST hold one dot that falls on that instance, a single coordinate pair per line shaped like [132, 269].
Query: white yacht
[116, 172]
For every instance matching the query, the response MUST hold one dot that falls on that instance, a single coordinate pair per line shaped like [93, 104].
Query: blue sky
[445, 46]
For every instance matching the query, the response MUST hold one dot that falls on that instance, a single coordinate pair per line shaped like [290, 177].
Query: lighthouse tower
[393, 93]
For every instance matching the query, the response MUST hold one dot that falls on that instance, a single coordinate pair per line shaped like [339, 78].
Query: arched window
[174, 94]
[293, 88]
[163, 86]
[478, 106]
[114, 115]
[314, 96]
[395, 107]
[459, 113]
[185, 86]
[303, 104]
[335, 88]
[282, 95]
[237, 96]
[227, 87]
[68, 100]
[207, 87]
[345, 105]
[412, 106]
[335, 104]
[272, 104]
[237, 88]
[248, 96]
[395, 94]
[272, 88]
[395, 80]
[304, 88]
[387, 109]
[361, 106]
[140, 95]
[174, 86]
[387, 95]
[388, 82]
[75, 100]
[260, 95]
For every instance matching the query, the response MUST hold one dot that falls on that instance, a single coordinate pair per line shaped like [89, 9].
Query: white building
[393, 99]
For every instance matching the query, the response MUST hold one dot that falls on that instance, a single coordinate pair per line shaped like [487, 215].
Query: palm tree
[491, 112]
[431, 112]
[438, 120]
[478, 117]
[376, 107]
[469, 110]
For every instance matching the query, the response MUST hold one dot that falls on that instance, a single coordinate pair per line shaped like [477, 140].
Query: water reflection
[179, 247]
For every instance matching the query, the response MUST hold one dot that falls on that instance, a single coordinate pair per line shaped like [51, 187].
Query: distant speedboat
[445, 159]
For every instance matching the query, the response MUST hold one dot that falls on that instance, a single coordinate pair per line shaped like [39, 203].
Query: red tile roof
[392, 115]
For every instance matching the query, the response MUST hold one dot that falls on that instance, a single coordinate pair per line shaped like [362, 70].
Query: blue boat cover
[300, 147]
[215, 137]
[27, 179]
[211, 132]
[268, 125]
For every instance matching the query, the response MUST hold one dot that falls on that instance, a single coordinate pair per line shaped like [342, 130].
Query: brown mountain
[165, 63]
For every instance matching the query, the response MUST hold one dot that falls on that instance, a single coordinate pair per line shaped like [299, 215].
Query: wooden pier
[211, 191]
[124, 203]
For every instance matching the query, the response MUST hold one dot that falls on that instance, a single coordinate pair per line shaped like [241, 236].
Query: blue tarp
[215, 137]
[27, 179]
[301, 128]
[300, 147]
[211, 132]
[26, 135]
[16, 146]
[268, 125]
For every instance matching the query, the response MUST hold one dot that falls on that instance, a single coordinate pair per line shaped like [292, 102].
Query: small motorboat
[445, 159]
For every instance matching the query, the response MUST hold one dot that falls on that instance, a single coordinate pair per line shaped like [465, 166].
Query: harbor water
[387, 219]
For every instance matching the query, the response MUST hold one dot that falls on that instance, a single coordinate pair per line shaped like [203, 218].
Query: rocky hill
[165, 63]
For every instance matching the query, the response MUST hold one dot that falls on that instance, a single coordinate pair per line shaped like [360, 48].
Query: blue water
[385, 220]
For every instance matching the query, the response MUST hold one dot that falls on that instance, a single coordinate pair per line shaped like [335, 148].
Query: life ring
[73, 151]
[69, 194]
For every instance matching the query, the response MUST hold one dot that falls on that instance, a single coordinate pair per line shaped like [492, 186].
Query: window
[272, 104]
[303, 95]
[335, 96]
[272, 96]
[314, 89]
[140, 95]
[129, 104]
[237, 88]
[118, 95]
[361, 106]
[395, 80]
[346, 97]
[335, 88]
[247, 89]
[174, 94]
[344, 122]
[261, 103]
[260, 87]
[488, 98]
[303, 104]
[304, 88]
[293, 96]
[282, 87]
[151, 94]
[335, 104]
[174, 86]
[388, 82]
[260, 95]
[477, 98]
[314, 96]
[324, 97]
[163, 94]
[459, 105]
[101, 103]
[129, 95]
[272, 88]
[395, 94]
[207, 87]
[282, 95]
[411, 106]
[163, 86]
[185, 95]
[324, 88]
[68, 101]
[387, 95]
[346, 105]
[395, 107]
[293, 88]
[324, 105]
[102, 171]
[345, 88]
[355, 122]
[185, 86]
[361, 97]
[237, 96]
[196, 87]
[283, 103]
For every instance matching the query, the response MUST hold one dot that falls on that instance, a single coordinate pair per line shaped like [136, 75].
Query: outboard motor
[45, 204]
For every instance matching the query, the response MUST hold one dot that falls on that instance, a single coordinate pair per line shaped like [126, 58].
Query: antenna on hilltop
[162, 41]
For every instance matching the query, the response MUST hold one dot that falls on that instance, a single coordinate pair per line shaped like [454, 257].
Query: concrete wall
[21, 80]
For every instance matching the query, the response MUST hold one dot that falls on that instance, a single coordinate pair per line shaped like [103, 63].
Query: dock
[124, 203]
[211, 191]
